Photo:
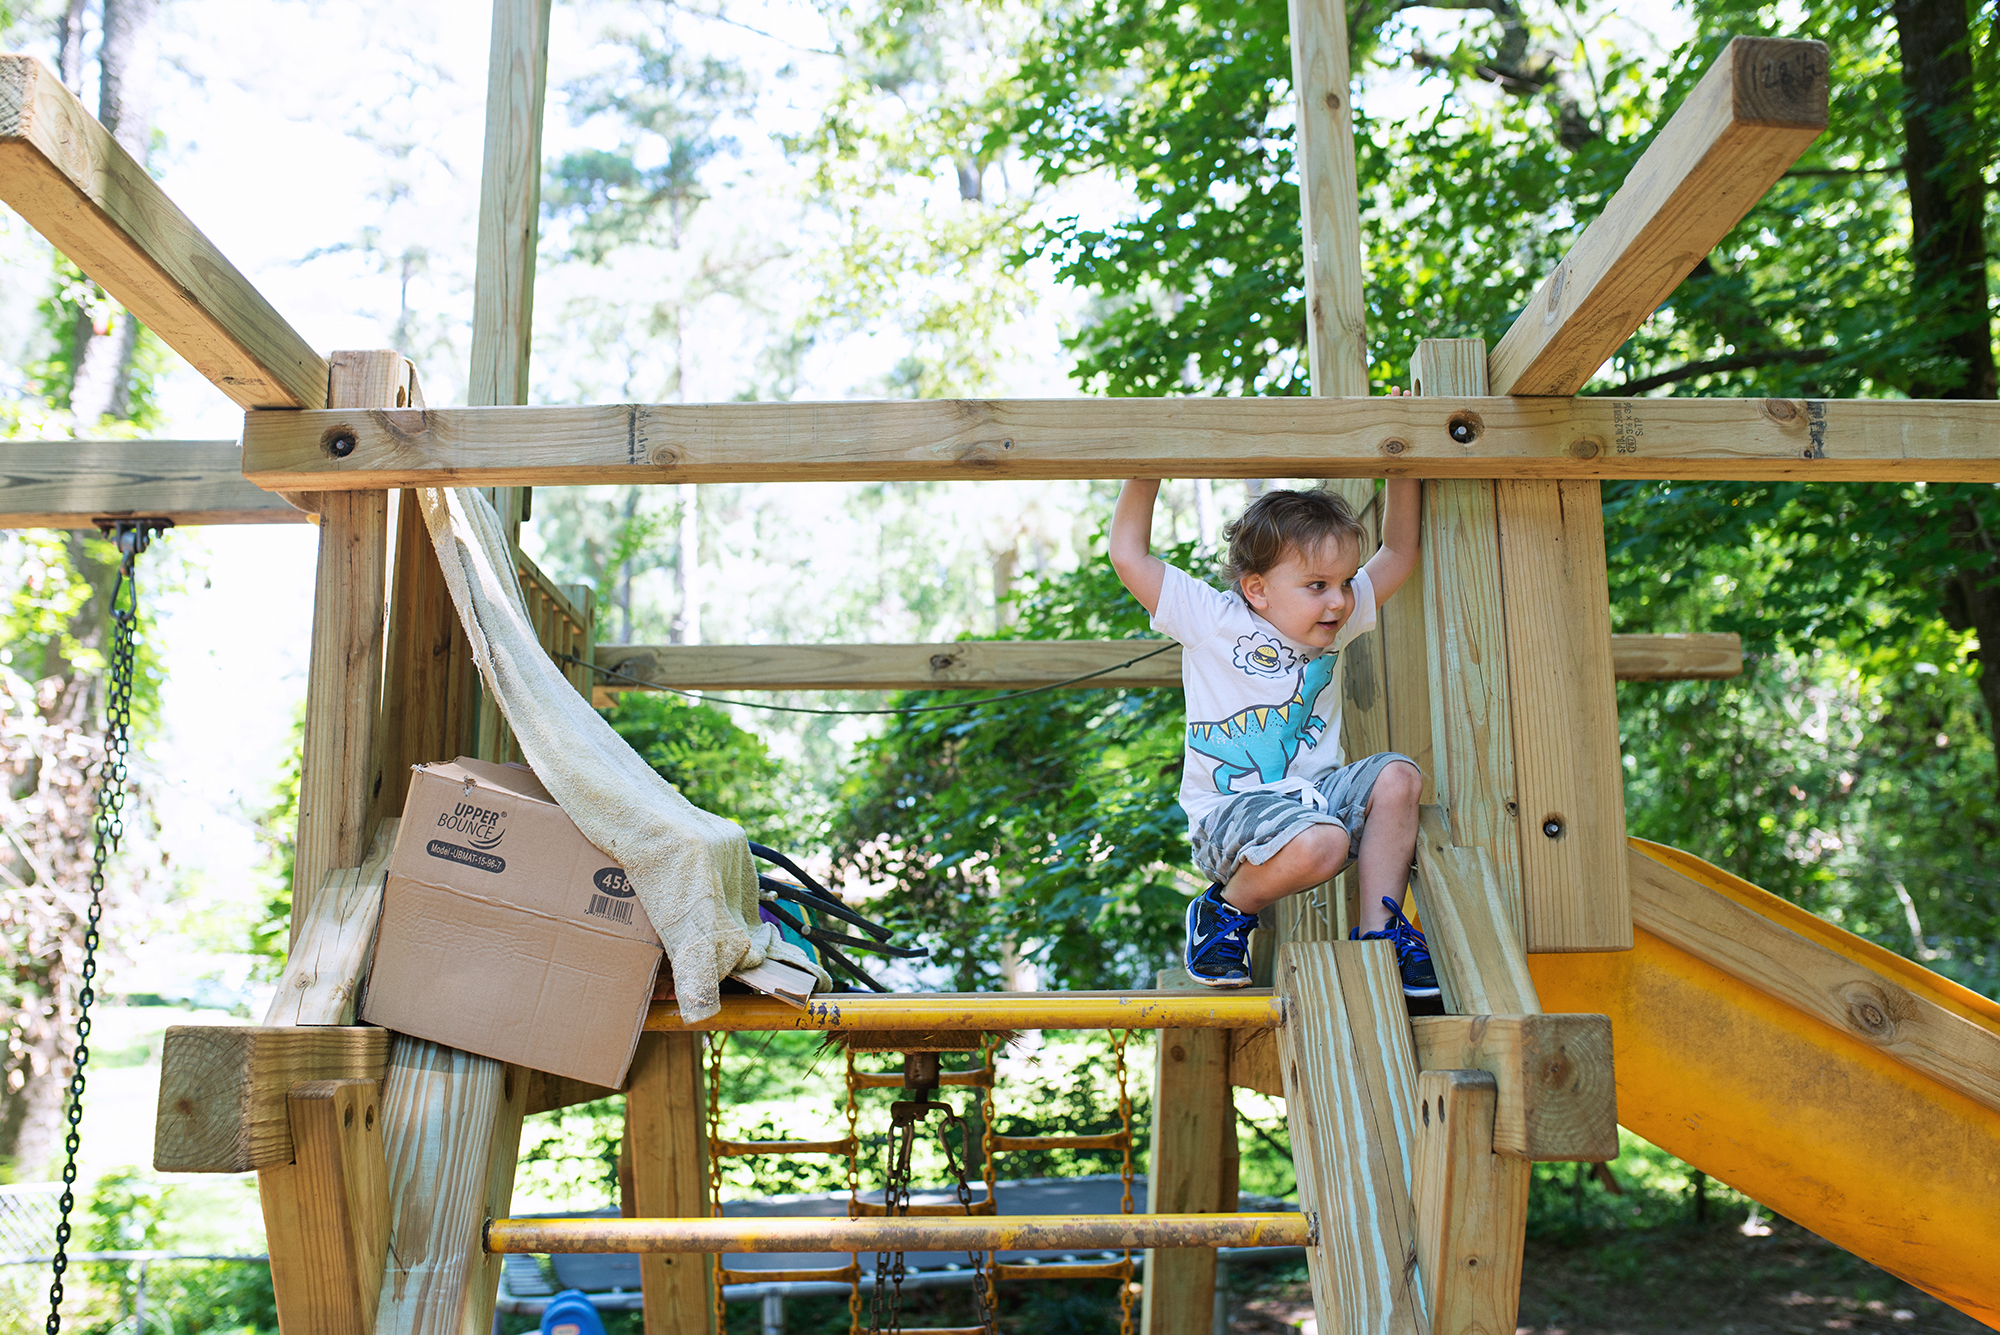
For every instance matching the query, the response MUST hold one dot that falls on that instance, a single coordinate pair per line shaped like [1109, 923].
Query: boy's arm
[1132, 542]
[1402, 526]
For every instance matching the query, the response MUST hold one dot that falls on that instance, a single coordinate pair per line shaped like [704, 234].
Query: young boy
[1272, 806]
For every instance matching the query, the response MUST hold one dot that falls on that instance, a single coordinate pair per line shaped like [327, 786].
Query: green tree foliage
[1047, 823]
[717, 765]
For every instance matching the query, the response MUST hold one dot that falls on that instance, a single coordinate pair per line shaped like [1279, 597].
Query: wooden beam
[323, 973]
[1330, 213]
[1192, 1115]
[1837, 991]
[1481, 966]
[510, 201]
[1472, 1206]
[75, 483]
[1819, 440]
[452, 1131]
[1350, 1096]
[338, 774]
[223, 1089]
[1255, 1062]
[63, 172]
[549, 1093]
[666, 1137]
[1750, 117]
[1704, 656]
[1569, 778]
[327, 1213]
[1558, 1097]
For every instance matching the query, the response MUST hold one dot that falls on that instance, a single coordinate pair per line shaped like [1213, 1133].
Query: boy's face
[1308, 595]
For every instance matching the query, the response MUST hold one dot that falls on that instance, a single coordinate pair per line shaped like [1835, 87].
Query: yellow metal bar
[1065, 1233]
[981, 1078]
[1066, 1270]
[871, 1210]
[843, 1274]
[1114, 1141]
[974, 1012]
[736, 1149]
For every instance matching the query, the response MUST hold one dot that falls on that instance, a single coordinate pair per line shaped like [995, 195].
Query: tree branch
[1743, 362]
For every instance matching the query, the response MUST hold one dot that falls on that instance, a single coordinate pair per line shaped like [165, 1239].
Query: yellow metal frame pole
[949, 1233]
[974, 1012]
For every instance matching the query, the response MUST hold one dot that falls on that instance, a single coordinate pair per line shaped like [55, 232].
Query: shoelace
[1404, 933]
[1231, 944]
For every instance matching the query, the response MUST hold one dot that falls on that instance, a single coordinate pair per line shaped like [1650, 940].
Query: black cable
[907, 709]
[827, 906]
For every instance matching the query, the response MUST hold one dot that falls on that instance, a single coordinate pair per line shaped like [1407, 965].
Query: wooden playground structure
[1589, 979]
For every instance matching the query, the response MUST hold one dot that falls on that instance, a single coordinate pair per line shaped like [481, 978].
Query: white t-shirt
[1263, 709]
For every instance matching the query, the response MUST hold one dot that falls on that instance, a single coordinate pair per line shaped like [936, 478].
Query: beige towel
[692, 869]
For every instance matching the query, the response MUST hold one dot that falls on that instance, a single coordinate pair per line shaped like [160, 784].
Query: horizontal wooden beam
[1014, 665]
[74, 483]
[942, 439]
[223, 1090]
[1751, 116]
[63, 172]
[1558, 1093]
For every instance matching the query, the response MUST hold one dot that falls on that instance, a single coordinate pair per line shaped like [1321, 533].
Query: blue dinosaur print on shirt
[1264, 739]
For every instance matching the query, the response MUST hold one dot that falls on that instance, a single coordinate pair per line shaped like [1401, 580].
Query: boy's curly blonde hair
[1279, 522]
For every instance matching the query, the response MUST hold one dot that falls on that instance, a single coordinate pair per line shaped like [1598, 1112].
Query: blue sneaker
[1218, 941]
[1413, 955]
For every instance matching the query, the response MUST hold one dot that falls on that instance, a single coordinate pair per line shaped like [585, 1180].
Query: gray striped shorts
[1254, 826]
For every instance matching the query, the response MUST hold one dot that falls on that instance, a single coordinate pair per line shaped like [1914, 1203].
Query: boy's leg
[1299, 848]
[1314, 855]
[1383, 866]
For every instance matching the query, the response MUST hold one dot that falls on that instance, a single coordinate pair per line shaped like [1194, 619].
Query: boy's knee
[1399, 784]
[1327, 847]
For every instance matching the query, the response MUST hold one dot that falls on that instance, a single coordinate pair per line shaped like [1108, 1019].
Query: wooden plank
[223, 1089]
[1255, 1062]
[940, 439]
[1192, 1116]
[74, 483]
[1569, 781]
[1350, 1097]
[1558, 1097]
[1472, 749]
[339, 773]
[666, 1109]
[63, 172]
[452, 1131]
[510, 201]
[324, 971]
[1019, 665]
[1705, 656]
[1472, 1206]
[549, 1093]
[1481, 966]
[1838, 992]
[327, 1214]
[1745, 123]
[1323, 143]
[429, 676]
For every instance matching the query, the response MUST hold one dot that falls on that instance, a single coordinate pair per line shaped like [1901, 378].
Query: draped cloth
[692, 869]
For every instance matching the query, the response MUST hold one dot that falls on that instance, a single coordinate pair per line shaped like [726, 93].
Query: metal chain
[716, 1042]
[989, 1051]
[132, 537]
[982, 1284]
[853, 1191]
[1119, 1038]
[887, 1303]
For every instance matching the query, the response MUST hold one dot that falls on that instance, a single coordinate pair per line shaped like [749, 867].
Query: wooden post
[328, 1218]
[1351, 1098]
[452, 1131]
[1193, 1121]
[344, 681]
[666, 1143]
[1472, 1206]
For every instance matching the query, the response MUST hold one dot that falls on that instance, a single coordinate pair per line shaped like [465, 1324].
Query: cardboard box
[506, 933]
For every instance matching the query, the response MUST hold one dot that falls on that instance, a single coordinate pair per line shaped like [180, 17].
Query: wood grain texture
[1481, 967]
[327, 1214]
[223, 1089]
[1009, 665]
[1350, 1096]
[549, 1093]
[74, 483]
[1705, 656]
[1787, 439]
[1330, 212]
[510, 201]
[1255, 1061]
[325, 968]
[1472, 1207]
[1558, 1094]
[1751, 116]
[451, 1131]
[429, 677]
[1569, 782]
[63, 173]
[1192, 1116]
[666, 1105]
[1846, 996]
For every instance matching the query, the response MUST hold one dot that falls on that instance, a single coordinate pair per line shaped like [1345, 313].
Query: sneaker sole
[1409, 991]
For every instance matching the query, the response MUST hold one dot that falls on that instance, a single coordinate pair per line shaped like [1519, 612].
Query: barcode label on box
[604, 906]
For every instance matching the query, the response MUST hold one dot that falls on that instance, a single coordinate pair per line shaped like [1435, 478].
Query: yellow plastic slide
[1845, 1087]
